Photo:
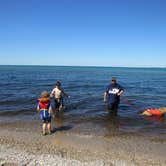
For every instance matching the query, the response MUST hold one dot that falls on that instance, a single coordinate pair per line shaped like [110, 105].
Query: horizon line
[83, 66]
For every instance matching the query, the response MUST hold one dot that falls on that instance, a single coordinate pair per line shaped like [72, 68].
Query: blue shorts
[47, 120]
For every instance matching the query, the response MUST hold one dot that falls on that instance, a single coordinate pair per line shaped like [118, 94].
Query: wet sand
[23, 144]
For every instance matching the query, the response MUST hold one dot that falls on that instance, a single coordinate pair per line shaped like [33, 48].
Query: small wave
[17, 102]
[18, 112]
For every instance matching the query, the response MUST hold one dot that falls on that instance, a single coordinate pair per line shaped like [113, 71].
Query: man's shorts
[113, 108]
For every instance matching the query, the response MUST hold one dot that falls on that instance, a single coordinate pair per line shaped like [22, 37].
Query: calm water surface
[20, 86]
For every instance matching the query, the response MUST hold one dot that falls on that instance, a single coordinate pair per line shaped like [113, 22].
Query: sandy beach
[23, 144]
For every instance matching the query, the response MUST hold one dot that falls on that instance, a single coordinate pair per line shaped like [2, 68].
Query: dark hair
[113, 79]
[58, 83]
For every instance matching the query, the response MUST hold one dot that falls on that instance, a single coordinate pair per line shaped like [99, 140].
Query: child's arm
[51, 111]
[65, 93]
[105, 97]
[52, 93]
[38, 109]
[146, 113]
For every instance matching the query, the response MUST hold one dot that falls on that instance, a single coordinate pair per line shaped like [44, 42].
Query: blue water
[20, 87]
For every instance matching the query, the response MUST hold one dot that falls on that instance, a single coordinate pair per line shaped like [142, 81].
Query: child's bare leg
[44, 128]
[60, 108]
[49, 128]
[146, 113]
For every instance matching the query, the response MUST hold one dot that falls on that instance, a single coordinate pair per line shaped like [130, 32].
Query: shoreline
[22, 144]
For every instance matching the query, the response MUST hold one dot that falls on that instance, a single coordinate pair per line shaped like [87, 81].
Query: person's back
[44, 107]
[112, 91]
[45, 110]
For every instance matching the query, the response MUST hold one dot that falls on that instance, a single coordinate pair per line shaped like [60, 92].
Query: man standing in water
[112, 96]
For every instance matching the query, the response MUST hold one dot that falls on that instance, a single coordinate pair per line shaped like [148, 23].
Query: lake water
[21, 86]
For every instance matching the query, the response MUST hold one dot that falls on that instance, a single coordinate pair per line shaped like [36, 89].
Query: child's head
[45, 97]
[45, 94]
[58, 84]
[163, 109]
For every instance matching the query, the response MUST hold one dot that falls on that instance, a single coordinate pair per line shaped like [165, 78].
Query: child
[45, 110]
[154, 112]
[57, 92]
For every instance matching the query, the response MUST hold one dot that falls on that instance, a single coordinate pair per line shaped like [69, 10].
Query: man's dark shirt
[112, 91]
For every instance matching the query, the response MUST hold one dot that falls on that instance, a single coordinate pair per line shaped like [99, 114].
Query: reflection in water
[58, 119]
[111, 124]
[155, 119]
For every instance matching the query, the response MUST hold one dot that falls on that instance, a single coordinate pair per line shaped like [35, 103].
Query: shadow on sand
[62, 128]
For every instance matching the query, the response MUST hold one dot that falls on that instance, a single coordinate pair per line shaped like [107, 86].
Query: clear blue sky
[83, 32]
